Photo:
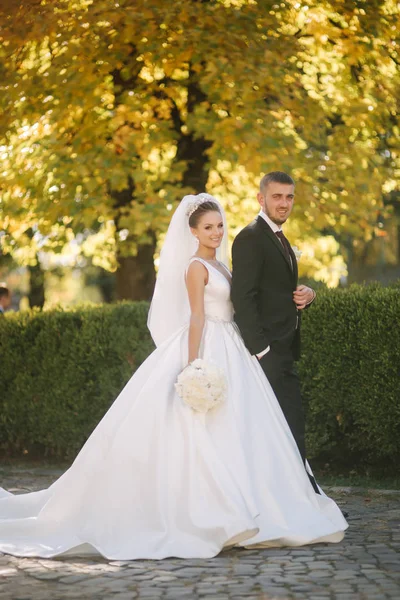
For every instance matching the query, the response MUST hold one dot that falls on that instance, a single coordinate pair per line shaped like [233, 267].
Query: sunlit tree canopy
[111, 111]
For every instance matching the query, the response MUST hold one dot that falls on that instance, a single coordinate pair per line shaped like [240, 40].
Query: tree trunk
[36, 295]
[135, 277]
[192, 149]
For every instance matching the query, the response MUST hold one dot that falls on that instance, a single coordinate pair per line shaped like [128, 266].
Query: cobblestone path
[366, 565]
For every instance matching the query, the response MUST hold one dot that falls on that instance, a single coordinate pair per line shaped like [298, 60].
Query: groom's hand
[303, 296]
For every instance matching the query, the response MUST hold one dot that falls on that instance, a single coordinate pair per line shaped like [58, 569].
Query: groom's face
[276, 201]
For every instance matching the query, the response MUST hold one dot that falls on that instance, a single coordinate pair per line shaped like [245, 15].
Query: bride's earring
[195, 236]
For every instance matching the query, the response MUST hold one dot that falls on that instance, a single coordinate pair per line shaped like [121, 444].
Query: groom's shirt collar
[266, 218]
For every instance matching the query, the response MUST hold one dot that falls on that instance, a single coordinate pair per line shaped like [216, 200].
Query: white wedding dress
[156, 479]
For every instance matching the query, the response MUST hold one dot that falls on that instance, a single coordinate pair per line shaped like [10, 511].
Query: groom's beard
[275, 218]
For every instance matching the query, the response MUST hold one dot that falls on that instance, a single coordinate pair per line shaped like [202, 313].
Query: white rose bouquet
[201, 385]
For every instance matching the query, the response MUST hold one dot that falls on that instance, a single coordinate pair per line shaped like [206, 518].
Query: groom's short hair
[275, 177]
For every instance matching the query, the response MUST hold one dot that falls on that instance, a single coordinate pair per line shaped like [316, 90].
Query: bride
[155, 478]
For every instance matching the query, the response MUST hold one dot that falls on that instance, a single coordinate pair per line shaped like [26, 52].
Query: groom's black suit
[263, 282]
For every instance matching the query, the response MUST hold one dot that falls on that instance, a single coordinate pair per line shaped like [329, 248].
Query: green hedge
[60, 371]
[350, 372]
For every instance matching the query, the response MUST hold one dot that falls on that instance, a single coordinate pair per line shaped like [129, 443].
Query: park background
[111, 111]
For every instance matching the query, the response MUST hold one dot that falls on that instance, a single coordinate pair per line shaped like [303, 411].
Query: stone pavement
[366, 565]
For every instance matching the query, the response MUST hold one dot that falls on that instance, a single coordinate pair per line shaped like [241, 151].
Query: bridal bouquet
[201, 385]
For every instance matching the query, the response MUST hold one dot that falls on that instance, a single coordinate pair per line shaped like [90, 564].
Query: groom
[266, 298]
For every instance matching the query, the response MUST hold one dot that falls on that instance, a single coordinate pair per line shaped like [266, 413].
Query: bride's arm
[196, 280]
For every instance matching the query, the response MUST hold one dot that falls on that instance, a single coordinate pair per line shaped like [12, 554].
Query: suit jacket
[263, 282]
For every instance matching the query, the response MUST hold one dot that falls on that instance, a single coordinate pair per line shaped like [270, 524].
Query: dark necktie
[285, 243]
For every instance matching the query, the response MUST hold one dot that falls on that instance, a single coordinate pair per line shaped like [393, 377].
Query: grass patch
[355, 480]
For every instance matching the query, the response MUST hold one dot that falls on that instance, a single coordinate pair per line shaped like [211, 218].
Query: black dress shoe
[313, 483]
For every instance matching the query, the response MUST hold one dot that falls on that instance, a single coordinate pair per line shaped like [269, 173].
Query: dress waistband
[218, 319]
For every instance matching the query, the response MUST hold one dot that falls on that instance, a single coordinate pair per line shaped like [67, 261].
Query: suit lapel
[267, 229]
[294, 263]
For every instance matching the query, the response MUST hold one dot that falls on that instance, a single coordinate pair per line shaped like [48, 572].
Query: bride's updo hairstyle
[201, 210]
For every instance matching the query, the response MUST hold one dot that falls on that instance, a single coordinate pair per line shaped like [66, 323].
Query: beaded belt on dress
[218, 320]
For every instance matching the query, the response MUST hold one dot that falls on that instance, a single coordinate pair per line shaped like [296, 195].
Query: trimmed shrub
[60, 372]
[350, 373]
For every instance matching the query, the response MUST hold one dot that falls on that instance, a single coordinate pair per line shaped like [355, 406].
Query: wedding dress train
[156, 479]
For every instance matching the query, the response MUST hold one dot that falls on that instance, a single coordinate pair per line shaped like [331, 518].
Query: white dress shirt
[266, 218]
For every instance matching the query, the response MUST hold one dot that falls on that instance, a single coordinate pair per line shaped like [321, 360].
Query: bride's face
[209, 230]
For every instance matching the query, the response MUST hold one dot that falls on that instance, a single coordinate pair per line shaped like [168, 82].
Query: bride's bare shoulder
[196, 271]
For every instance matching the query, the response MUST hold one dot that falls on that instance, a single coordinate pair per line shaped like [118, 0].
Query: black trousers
[281, 372]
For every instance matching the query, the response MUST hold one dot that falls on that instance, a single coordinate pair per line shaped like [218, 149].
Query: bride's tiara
[202, 198]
